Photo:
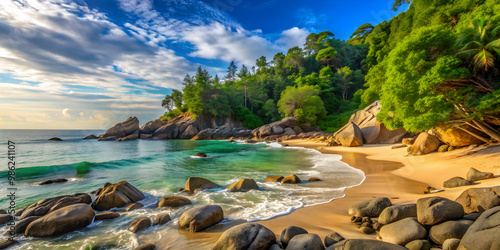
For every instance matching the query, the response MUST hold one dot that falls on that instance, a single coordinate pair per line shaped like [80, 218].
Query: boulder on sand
[476, 175]
[419, 245]
[173, 201]
[449, 230]
[243, 185]
[484, 232]
[350, 136]
[455, 136]
[397, 212]
[403, 231]
[291, 179]
[199, 218]
[194, 183]
[247, 236]
[305, 241]
[61, 221]
[139, 224]
[274, 178]
[479, 199]
[365, 244]
[370, 208]
[332, 239]
[424, 144]
[457, 182]
[117, 195]
[46, 206]
[123, 129]
[433, 210]
[290, 232]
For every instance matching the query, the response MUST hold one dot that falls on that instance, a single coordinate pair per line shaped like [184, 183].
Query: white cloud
[66, 113]
[293, 37]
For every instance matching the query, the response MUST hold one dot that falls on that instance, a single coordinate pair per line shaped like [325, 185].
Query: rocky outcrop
[479, 199]
[424, 144]
[370, 208]
[476, 175]
[372, 131]
[152, 126]
[199, 218]
[456, 182]
[305, 241]
[173, 201]
[403, 231]
[194, 183]
[456, 136]
[350, 136]
[483, 234]
[248, 236]
[290, 232]
[117, 195]
[433, 210]
[287, 126]
[46, 206]
[243, 185]
[449, 230]
[122, 130]
[223, 133]
[61, 221]
[398, 212]
[190, 132]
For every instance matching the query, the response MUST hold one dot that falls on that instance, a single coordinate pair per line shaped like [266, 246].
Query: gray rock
[472, 216]
[397, 212]
[123, 129]
[433, 210]
[277, 130]
[305, 242]
[251, 236]
[189, 133]
[152, 126]
[289, 131]
[332, 239]
[365, 244]
[403, 231]
[483, 234]
[476, 175]
[370, 208]
[419, 245]
[289, 232]
[449, 230]
[456, 182]
[199, 218]
[451, 244]
[479, 199]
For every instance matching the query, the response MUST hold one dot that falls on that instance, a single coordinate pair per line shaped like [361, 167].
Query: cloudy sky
[82, 64]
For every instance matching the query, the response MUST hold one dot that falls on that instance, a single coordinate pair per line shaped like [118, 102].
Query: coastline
[389, 173]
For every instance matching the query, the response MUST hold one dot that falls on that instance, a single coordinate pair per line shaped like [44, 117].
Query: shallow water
[160, 168]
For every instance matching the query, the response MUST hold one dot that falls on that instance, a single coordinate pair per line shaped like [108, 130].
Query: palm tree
[481, 42]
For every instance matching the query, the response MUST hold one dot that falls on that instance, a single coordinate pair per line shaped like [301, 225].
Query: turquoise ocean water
[160, 168]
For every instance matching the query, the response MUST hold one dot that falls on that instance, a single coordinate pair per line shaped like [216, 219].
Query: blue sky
[90, 64]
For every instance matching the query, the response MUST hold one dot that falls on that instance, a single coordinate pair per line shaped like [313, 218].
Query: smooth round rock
[370, 208]
[248, 236]
[305, 241]
[289, 232]
[173, 201]
[403, 231]
[199, 218]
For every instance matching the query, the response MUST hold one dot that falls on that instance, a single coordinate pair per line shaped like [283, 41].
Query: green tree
[345, 80]
[481, 42]
[231, 74]
[360, 34]
[398, 3]
[326, 56]
[303, 102]
[261, 62]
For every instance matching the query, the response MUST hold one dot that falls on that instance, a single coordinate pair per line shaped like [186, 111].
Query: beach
[389, 173]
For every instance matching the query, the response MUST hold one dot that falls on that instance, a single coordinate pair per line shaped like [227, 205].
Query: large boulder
[456, 136]
[373, 132]
[289, 131]
[350, 136]
[243, 185]
[476, 175]
[305, 242]
[433, 210]
[291, 179]
[457, 182]
[397, 212]
[365, 244]
[189, 133]
[117, 195]
[332, 239]
[122, 129]
[194, 183]
[277, 130]
[290, 232]
[61, 221]
[173, 201]
[403, 231]
[449, 230]
[21, 225]
[152, 126]
[479, 199]
[199, 218]
[46, 206]
[483, 234]
[370, 208]
[424, 144]
[248, 236]
[139, 224]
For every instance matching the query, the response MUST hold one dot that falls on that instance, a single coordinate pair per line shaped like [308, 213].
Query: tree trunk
[493, 134]
[475, 135]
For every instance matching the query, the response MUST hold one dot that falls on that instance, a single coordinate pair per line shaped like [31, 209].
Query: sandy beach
[389, 173]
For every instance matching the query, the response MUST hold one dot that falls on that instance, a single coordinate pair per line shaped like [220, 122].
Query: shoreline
[388, 173]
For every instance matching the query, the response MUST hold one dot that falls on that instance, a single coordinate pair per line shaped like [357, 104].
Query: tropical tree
[303, 102]
[481, 42]
[326, 56]
[231, 73]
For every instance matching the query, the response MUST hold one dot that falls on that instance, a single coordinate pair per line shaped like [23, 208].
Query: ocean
[159, 168]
